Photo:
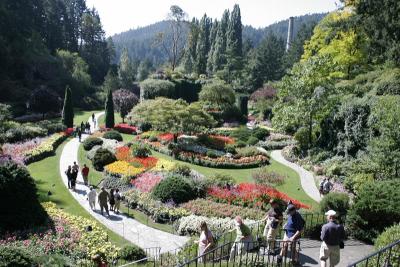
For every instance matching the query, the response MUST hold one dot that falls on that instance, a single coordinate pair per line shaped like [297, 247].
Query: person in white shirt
[92, 198]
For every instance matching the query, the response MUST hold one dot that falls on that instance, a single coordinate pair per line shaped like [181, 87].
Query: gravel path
[306, 177]
[132, 230]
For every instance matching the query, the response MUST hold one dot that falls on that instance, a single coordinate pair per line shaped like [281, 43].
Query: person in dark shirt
[293, 229]
[274, 218]
[332, 234]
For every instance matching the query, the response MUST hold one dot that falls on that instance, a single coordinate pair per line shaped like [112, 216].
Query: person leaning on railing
[293, 230]
[274, 218]
[244, 239]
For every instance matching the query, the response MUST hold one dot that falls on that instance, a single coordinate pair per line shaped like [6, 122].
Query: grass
[46, 174]
[83, 116]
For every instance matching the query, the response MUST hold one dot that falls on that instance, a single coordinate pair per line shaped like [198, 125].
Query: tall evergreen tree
[203, 45]
[109, 110]
[126, 72]
[219, 52]
[213, 35]
[68, 109]
[189, 60]
[234, 41]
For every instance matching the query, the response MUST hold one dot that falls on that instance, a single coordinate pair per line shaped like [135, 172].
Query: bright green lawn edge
[46, 174]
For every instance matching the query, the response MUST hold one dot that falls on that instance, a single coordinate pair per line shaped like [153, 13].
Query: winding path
[306, 177]
[130, 229]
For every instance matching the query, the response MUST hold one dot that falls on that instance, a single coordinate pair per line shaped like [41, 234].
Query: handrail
[376, 253]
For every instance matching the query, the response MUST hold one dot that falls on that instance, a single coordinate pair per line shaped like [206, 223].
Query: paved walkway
[130, 229]
[306, 177]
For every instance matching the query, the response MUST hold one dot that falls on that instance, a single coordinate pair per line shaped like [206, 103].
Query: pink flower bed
[17, 151]
[125, 128]
[145, 182]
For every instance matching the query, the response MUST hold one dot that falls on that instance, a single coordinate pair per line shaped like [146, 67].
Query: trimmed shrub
[132, 253]
[183, 170]
[16, 257]
[302, 138]
[140, 150]
[240, 144]
[260, 133]
[90, 142]
[152, 88]
[389, 236]
[221, 180]
[212, 154]
[265, 177]
[338, 202]
[174, 188]
[248, 151]
[113, 135]
[102, 157]
[375, 207]
[252, 141]
[241, 134]
[19, 190]
[230, 149]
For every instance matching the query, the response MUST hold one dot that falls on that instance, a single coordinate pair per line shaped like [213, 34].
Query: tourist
[68, 173]
[79, 135]
[327, 186]
[92, 198]
[243, 241]
[75, 167]
[293, 229]
[73, 179]
[117, 198]
[99, 260]
[103, 198]
[206, 241]
[274, 218]
[321, 186]
[332, 236]
[87, 126]
[112, 199]
[93, 118]
[82, 127]
[85, 174]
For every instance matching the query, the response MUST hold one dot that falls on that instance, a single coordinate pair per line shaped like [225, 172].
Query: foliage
[183, 170]
[173, 188]
[248, 151]
[387, 237]
[375, 208]
[102, 157]
[44, 149]
[90, 142]
[208, 208]
[151, 89]
[43, 101]
[252, 141]
[356, 181]
[140, 150]
[21, 132]
[217, 95]
[265, 177]
[267, 92]
[126, 73]
[114, 135]
[132, 253]
[109, 110]
[68, 110]
[25, 211]
[12, 256]
[339, 202]
[124, 101]
[212, 154]
[221, 180]
[116, 182]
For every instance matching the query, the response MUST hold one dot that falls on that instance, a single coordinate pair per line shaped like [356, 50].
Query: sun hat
[330, 213]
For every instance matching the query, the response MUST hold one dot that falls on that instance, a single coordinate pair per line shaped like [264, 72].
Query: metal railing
[388, 256]
[248, 254]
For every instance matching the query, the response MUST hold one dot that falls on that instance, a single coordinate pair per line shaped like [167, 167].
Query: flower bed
[123, 168]
[168, 137]
[190, 225]
[124, 153]
[164, 165]
[145, 182]
[250, 195]
[157, 210]
[210, 208]
[66, 234]
[125, 128]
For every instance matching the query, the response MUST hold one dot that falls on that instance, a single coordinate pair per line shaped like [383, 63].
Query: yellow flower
[164, 165]
[123, 168]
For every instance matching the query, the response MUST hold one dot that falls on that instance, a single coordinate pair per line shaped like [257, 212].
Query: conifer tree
[234, 41]
[219, 51]
[109, 110]
[68, 109]
[203, 45]
[213, 35]
[126, 72]
[189, 59]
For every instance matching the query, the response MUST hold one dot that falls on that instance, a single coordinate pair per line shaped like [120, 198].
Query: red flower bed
[69, 131]
[148, 162]
[250, 195]
[145, 182]
[225, 139]
[169, 137]
[125, 128]
[124, 153]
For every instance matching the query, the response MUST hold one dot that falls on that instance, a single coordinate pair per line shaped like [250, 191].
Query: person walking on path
[118, 198]
[243, 241]
[293, 229]
[274, 218]
[83, 126]
[112, 200]
[87, 127]
[85, 174]
[321, 187]
[206, 241]
[92, 198]
[332, 236]
[103, 198]
[79, 135]
[68, 173]
[93, 117]
[327, 186]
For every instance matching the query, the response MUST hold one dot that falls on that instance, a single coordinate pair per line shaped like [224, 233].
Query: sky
[121, 15]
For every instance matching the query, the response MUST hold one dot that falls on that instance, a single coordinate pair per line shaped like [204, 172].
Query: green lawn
[83, 116]
[46, 174]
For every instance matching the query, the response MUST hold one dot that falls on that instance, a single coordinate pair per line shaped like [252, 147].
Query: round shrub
[20, 207]
[252, 141]
[389, 236]
[302, 138]
[90, 142]
[102, 157]
[221, 180]
[16, 257]
[240, 144]
[260, 133]
[183, 170]
[174, 188]
[338, 202]
[132, 253]
[212, 154]
[113, 135]
[140, 150]
[230, 149]
[145, 126]
[375, 207]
